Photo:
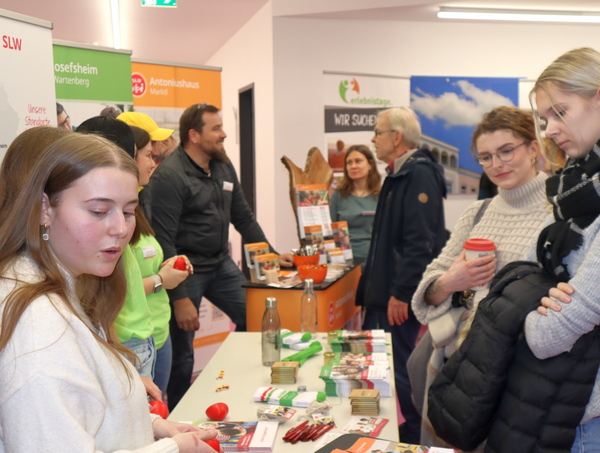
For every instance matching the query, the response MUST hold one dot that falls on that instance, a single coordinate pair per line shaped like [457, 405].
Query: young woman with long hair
[65, 384]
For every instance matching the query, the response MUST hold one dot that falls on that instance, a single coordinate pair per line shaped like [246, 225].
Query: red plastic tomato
[214, 443]
[159, 408]
[180, 264]
[217, 412]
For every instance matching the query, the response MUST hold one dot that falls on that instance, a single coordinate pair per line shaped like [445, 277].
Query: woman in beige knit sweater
[505, 145]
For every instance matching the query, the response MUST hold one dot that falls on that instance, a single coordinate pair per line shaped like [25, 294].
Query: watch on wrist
[158, 283]
[463, 299]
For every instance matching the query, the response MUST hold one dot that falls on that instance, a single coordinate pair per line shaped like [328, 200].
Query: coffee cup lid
[479, 244]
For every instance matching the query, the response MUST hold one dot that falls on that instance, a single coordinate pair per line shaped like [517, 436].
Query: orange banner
[157, 85]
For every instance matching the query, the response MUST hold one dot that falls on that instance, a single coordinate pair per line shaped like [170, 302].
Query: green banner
[92, 75]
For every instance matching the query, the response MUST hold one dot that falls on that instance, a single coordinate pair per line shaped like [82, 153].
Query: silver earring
[45, 235]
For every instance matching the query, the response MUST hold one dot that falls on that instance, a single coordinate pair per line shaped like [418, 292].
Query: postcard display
[263, 265]
[316, 228]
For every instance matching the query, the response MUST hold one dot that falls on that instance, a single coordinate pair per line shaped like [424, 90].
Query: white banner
[27, 96]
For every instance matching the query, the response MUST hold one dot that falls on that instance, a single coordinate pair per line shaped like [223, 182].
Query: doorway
[247, 152]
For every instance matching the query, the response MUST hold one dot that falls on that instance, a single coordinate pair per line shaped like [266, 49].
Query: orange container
[317, 272]
[301, 260]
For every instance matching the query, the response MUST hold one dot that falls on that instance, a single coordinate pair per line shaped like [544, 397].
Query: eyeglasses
[65, 122]
[199, 107]
[505, 155]
[377, 132]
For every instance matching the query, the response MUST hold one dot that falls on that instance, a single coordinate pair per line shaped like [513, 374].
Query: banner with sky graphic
[352, 102]
[449, 109]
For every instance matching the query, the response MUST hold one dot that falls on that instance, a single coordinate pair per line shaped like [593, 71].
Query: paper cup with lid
[476, 248]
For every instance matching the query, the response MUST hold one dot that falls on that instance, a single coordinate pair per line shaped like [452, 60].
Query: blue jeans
[162, 369]
[223, 287]
[404, 338]
[587, 437]
[146, 352]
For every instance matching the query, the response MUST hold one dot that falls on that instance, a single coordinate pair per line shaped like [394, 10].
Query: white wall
[248, 58]
[304, 48]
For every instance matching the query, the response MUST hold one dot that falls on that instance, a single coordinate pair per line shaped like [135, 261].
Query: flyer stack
[357, 340]
[341, 380]
[357, 358]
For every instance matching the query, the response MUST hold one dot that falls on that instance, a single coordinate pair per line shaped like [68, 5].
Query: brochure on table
[251, 436]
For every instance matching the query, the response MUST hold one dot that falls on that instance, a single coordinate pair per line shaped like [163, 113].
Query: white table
[239, 357]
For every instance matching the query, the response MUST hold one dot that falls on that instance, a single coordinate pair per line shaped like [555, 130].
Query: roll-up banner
[26, 86]
[90, 78]
[164, 90]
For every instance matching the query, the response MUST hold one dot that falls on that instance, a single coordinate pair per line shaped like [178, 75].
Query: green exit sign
[167, 3]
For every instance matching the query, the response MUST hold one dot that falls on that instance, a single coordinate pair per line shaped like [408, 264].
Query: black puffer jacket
[494, 386]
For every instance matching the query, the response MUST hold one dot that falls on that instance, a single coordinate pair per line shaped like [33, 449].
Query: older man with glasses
[408, 233]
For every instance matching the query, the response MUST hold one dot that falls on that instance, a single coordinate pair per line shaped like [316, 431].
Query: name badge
[228, 186]
[148, 251]
[368, 213]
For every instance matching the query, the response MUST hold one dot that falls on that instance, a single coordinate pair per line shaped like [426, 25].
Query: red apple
[214, 443]
[159, 408]
[180, 264]
[217, 412]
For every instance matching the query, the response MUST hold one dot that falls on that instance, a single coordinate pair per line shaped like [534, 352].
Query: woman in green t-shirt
[149, 256]
[142, 325]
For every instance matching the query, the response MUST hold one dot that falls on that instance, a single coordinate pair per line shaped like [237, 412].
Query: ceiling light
[518, 15]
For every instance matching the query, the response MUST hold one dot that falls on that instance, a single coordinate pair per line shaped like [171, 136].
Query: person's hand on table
[189, 438]
[286, 260]
[556, 296]
[397, 311]
[186, 314]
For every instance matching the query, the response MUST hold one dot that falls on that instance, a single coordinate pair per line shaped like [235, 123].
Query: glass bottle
[308, 308]
[271, 333]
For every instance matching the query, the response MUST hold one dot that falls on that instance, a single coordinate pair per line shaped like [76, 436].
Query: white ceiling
[196, 29]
